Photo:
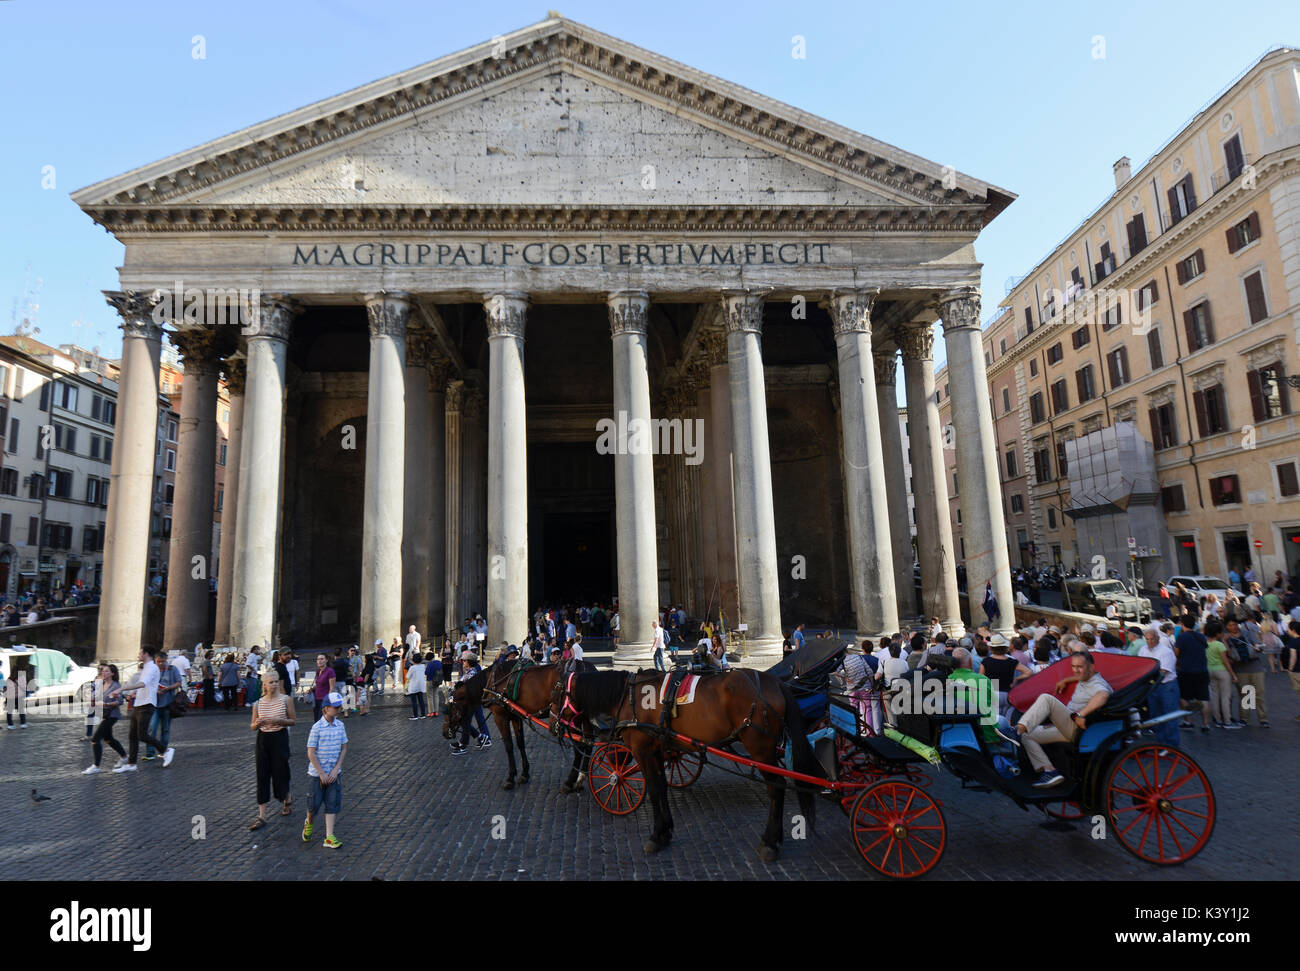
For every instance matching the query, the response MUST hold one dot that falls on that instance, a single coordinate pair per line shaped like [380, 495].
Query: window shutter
[1153, 416]
[1209, 323]
[1174, 215]
[1255, 302]
[1113, 360]
[1081, 385]
[1253, 221]
[1234, 158]
[1191, 192]
[1202, 425]
[1181, 270]
[1154, 289]
[1199, 256]
[1256, 395]
[1189, 324]
[1234, 239]
[1282, 395]
[45, 397]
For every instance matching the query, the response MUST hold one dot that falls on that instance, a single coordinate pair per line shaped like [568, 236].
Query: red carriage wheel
[899, 829]
[1064, 810]
[615, 779]
[681, 769]
[1160, 804]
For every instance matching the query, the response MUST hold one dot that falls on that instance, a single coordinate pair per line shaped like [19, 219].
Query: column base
[635, 657]
[953, 626]
[760, 652]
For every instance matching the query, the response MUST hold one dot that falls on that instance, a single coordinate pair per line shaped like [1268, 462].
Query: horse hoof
[523, 780]
[507, 785]
[768, 854]
[652, 846]
[566, 788]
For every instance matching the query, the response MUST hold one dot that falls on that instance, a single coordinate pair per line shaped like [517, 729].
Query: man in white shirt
[291, 665]
[1164, 696]
[576, 649]
[1090, 694]
[145, 685]
[657, 641]
[182, 664]
[413, 639]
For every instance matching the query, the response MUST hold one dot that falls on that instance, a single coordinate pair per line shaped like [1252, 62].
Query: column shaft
[437, 489]
[507, 492]
[868, 502]
[126, 539]
[933, 526]
[453, 531]
[230, 504]
[891, 441]
[383, 509]
[257, 527]
[417, 495]
[760, 595]
[634, 486]
[987, 559]
[188, 590]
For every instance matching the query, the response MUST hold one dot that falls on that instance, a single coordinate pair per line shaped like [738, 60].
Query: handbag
[179, 704]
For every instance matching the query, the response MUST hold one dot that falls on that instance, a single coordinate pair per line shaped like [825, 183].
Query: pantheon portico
[427, 293]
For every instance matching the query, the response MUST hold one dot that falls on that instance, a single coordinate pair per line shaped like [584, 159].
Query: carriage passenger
[859, 673]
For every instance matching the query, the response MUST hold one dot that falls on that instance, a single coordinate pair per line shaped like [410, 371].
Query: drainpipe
[1182, 379]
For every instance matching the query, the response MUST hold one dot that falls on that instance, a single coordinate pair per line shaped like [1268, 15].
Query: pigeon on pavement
[38, 799]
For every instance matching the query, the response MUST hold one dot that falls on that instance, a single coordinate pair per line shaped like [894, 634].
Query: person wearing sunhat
[327, 745]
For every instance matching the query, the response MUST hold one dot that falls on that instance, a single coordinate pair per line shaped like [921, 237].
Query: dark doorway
[577, 558]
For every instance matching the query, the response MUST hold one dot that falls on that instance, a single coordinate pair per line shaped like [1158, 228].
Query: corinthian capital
[271, 316]
[850, 311]
[419, 347]
[742, 312]
[388, 313]
[236, 371]
[629, 312]
[713, 344]
[507, 313]
[916, 342]
[960, 309]
[200, 347]
[886, 363]
[136, 308]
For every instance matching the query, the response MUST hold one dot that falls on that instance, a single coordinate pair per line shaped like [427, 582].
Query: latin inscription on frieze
[460, 254]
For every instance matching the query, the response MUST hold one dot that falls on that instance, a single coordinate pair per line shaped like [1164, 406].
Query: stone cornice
[555, 44]
[204, 218]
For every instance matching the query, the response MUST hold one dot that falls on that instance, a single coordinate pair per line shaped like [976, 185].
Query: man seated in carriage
[1091, 693]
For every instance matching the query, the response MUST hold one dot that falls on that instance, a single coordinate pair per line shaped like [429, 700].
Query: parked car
[58, 677]
[1199, 585]
[1092, 596]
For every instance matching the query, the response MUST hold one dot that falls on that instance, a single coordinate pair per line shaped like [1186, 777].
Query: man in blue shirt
[433, 682]
[1193, 671]
[797, 637]
[326, 747]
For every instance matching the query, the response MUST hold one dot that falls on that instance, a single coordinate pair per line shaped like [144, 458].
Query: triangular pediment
[552, 115]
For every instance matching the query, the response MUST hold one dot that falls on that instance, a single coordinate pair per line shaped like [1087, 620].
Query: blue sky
[1012, 93]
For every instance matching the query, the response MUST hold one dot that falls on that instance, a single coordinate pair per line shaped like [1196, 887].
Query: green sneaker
[306, 832]
[332, 843]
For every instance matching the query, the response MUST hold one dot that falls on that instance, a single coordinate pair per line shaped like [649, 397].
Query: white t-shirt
[658, 639]
[577, 651]
[182, 664]
[613, 623]
[413, 640]
[1168, 662]
[147, 693]
[893, 667]
[292, 668]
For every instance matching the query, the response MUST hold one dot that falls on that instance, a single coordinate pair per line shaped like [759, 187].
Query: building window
[1256, 304]
[221, 499]
[1191, 267]
[1117, 360]
[1042, 465]
[109, 416]
[1155, 352]
[1051, 517]
[171, 431]
[1036, 413]
[1106, 265]
[1268, 392]
[94, 446]
[1233, 155]
[1060, 397]
[169, 493]
[36, 485]
[1288, 483]
[1173, 498]
[1148, 294]
[1002, 346]
[959, 515]
[954, 483]
[60, 483]
[988, 358]
[171, 460]
[1085, 384]
[1199, 325]
[1225, 490]
[1006, 400]
[1033, 368]
[167, 527]
[11, 443]
[1012, 470]
[1055, 353]
[1080, 338]
[1137, 234]
[223, 453]
[9, 482]
[1243, 233]
[1017, 503]
[1062, 464]
[1182, 200]
[1113, 315]
[1029, 320]
[1164, 432]
[1211, 410]
[89, 538]
[33, 531]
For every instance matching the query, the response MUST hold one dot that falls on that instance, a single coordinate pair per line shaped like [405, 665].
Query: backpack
[1241, 652]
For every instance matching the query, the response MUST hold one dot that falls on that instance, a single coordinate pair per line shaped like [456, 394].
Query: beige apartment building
[1143, 374]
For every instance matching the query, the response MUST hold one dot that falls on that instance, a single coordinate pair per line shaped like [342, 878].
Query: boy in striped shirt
[326, 746]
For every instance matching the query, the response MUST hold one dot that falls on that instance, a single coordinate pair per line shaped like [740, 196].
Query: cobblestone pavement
[411, 811]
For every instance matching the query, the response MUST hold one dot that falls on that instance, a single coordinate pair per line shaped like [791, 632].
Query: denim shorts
[331, 796]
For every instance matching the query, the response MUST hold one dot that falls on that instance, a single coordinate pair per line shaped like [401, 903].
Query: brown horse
[531, 691]
[749, 707]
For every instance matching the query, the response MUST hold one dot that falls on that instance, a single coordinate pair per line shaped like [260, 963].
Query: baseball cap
[379, 642]
[334, 700]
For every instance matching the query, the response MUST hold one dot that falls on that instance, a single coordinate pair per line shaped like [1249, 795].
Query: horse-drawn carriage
[1156, 800]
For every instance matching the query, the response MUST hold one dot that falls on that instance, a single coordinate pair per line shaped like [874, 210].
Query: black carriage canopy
[816, 659]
